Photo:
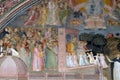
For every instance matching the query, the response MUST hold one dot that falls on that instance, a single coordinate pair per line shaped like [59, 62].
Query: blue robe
[3, 33]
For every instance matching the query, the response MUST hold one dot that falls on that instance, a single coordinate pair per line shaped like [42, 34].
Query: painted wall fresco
[117, 10]
[79, 16]
[33, 35]
[35, 46]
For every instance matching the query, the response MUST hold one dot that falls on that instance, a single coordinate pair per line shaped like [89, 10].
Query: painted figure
[11, 50]
[98, 6]
[97, 61]
[69, 61]
[34, 15]
[50, 62]
[115, 67]
[74, 59]
[102, 61]
[81, 60]
[1, 48]
[32, 42]
[23, 53]
[117, 10]
[82, 57]
[85, 57]
[64, 12]
[91, 57]
[80, 48]
[52, 18]
[37, 58]
[95, 19]
[71, 47]
[48, 33]
[44, 14]
[94, 7]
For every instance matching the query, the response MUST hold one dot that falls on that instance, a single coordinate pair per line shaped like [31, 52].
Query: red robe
[33, 17]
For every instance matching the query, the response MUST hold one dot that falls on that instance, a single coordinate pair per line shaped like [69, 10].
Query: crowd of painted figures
[36, 47]
[6, 5]
[51, 12]
[57, 13]
[78, 55]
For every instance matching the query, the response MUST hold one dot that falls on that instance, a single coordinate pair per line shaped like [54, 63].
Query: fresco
[33, 35]
[37, 50]
[117, 10]
[113, 22]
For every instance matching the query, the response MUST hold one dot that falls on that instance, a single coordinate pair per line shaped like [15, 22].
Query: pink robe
[47, 34]
[37, 60]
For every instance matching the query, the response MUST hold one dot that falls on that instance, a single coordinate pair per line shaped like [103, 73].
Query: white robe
[81, 60]
[102, 62]
[116, 70]
[91, 59]
[14, 52]
[85, 57]
[69, 61]
[96, 61]
[75, 63]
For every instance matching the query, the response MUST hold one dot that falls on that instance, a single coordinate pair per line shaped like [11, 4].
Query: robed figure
[115, 67]
[50, 60]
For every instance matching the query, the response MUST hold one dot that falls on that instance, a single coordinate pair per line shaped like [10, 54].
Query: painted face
[118, 55]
